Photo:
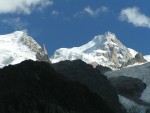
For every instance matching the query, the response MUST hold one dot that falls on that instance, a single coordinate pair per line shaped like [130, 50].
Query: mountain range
[104, 50]
[113, 75]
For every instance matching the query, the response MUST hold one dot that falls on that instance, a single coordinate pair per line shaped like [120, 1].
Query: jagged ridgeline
[27, 40]
[104, 50]
[41, 52]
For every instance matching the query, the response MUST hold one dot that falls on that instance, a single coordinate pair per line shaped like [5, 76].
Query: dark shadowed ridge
[78, 70]
[103, 69]
[35, 87]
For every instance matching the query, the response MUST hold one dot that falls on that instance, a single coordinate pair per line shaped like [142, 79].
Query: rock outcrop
[139, 57]
[28, 41]
[114, 56]
[42, 54]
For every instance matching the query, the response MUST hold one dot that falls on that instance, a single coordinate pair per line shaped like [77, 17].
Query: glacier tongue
[105, 50]
[17, 47]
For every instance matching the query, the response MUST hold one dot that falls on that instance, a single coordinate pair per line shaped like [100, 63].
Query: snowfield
[14, 48]
[147, 57]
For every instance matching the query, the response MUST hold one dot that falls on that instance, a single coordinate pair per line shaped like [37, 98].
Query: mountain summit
[104, 50]
[17, 47]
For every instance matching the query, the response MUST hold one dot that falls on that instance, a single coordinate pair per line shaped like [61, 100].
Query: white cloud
[134, 16]
[22, 6]
[16, 23]
[91, 12]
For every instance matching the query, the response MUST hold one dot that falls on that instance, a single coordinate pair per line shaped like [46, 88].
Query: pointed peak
[18, 32]
[44, 50]
[108, 33]
[110, 36]
[107, 36]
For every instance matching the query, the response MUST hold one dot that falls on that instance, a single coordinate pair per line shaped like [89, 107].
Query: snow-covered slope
[105, 50]
[147, 57]
[17, 47]
[133, 52]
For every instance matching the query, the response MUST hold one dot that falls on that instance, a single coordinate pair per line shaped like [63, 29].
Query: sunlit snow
[13, 49]
[98, 50]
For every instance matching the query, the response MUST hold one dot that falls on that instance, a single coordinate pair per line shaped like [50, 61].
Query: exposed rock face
[42, 55]
[27, 40]
[41, 52]
[34, 87]
[139, 57]
[92, 78]
[114, 56]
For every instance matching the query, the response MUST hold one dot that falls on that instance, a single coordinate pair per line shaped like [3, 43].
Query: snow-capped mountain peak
[17, 47]
[104, 49]
[108, 37]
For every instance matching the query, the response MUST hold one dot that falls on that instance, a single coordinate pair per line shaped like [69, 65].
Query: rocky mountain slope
[104, 50]
[35, 87]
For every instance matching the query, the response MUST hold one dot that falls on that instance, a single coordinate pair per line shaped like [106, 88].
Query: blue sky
[69, 23]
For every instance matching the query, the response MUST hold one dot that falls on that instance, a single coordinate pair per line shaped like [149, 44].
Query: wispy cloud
[16, 23]
[55, 13]
[22, 6]
[134, 16]
[60, 15]
[92, 12]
